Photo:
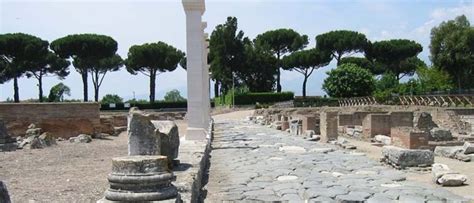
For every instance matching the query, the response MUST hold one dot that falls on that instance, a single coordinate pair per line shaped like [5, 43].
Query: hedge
[315, 102]
[156, 105]
[253, 98]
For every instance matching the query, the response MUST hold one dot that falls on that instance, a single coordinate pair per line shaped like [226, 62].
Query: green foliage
[254, 98]
[57, 92]
[433, 79]
[397, 56]
[152, 59]
[226, 53]
[349, 80]
[48, 64]
[452, 48]
[315, 102]
[111, 99]
[305, 62]
[341, 42]
[363, 63]
[258, 72]
[18, 51]
[86, 51]
[280, 42]
[174, 96]
[386, 86]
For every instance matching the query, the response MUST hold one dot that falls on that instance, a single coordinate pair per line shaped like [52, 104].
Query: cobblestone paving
[252, 162]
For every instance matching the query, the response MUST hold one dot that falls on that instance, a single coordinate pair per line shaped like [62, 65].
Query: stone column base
[196, 134]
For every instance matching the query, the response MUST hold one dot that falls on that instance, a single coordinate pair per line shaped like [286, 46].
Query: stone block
[424, 121]
[409, 138]
[328, 125]
[402, 158]
[468, 148]
[143, 137]
[440, 134]
[385, 140]
[169, 136]
[308, 123]
[376, 124]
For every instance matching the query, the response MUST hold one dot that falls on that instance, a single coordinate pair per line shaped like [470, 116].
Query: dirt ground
[67, 172]
[466, 168]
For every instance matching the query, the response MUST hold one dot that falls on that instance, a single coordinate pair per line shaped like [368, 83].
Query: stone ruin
[4, 196]
[7, 143]
[145, 174]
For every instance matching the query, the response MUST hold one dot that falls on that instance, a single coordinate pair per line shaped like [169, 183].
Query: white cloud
[443, 14]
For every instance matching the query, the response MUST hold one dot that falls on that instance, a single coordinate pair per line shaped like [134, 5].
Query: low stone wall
[119, 118]
[60, 119]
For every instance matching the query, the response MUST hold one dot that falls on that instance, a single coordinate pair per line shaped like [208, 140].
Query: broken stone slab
[425, 122]
[47, 139]
[446, 177]
[440, 134]
[438, 170]
[448, 151]
[169, 136]
[141, 179]
[4, 196]
[452, 179]
[468, 148]
[143, 137]
[82, 138]
[402, 158]
[386, 140]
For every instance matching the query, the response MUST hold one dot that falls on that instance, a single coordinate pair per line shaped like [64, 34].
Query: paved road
[253, 162]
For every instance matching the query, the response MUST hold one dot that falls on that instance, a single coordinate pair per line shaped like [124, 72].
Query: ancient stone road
[253, 162]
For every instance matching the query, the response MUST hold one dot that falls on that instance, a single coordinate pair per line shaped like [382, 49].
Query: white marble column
[197, 71]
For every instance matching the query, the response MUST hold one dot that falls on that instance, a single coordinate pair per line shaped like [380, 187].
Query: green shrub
[315, 102]
[254, 98]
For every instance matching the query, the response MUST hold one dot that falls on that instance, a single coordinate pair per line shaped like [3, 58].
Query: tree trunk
[339, 56]
[459, 81]
[96, 87]
[16, 96]
[40, 88]
[152, 86]
[278, 73]
[84, 84]
[304, 85]
[216, 89]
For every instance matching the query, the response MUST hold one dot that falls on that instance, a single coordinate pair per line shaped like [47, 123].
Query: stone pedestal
[7, 143]
[198, 114]
[141, 178]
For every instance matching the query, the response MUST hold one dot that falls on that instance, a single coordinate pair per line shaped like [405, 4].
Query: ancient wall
[328, 125]
[61, 119]
[376, 124]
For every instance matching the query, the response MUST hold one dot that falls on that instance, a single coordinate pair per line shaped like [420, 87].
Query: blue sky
[133, 22]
